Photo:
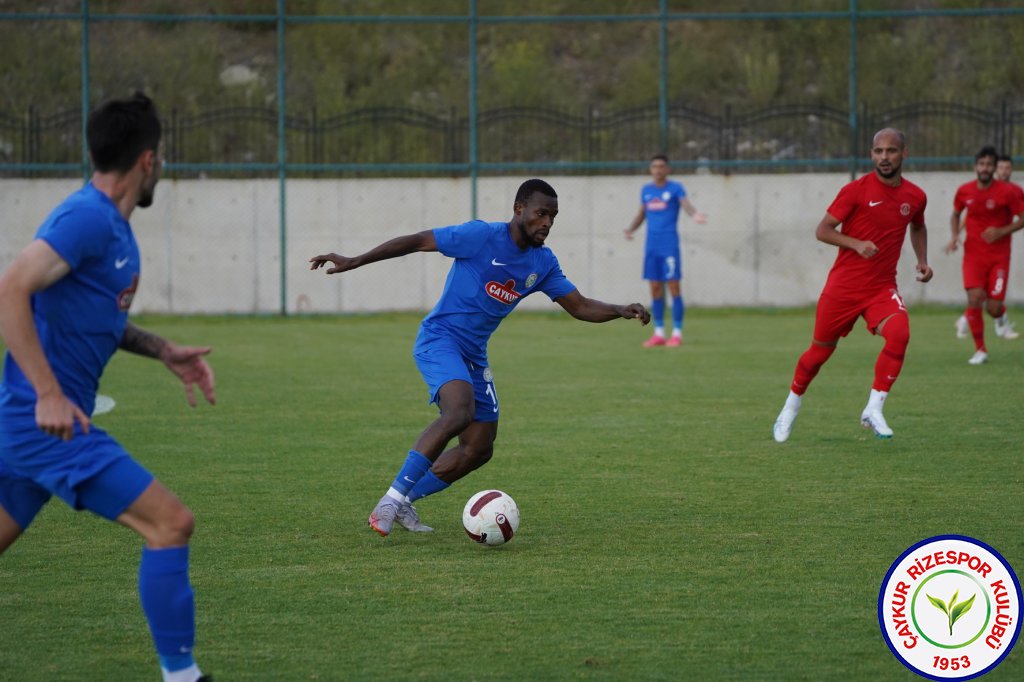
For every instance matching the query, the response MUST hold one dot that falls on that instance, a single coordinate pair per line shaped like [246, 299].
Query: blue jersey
[489, 277]
[661, 208]
[81, 317]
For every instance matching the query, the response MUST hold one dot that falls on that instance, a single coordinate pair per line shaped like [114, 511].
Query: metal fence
[283, 137]
[815, 137]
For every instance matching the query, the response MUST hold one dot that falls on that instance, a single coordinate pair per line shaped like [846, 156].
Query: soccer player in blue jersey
[660, 202]
[495, 266]
[63, 312]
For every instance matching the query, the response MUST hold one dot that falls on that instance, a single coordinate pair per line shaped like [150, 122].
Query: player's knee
[174, 528]
[897, 331]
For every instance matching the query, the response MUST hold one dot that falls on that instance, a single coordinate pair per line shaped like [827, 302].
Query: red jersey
[871, 210]
[993, 206]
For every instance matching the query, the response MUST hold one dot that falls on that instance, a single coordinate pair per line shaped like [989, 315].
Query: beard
[146, 196]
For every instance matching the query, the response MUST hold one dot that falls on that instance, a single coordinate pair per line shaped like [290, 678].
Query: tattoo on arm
[141, 342]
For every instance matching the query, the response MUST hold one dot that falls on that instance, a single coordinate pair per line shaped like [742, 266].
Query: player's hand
[991, 234]
[700, 218]
[867, 249]
[629, 234]
[187, 363]
[951, 246]
[56, 415]
[636, 311]
[341, 263]
[924, 272]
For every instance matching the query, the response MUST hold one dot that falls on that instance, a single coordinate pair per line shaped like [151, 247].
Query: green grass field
[664, 536]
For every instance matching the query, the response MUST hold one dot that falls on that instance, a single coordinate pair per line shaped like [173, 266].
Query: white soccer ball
[491, 517]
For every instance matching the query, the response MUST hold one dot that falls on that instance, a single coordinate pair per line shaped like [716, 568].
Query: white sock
[395, 495]
[677, 333]
[876, 399]
[793, 401]
[190, 674]
[659, 331]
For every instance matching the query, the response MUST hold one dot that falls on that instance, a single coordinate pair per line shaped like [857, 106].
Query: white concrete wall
[212, 246]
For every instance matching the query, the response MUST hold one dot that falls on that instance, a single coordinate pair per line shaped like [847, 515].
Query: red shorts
[989, 274]
[837, 313]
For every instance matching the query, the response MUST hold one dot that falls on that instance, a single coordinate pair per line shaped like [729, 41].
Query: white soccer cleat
[963, 330]
[383, 516]
[784, 424]
[409, 519]
[874, 420]
[1004, 329]
[978, 358]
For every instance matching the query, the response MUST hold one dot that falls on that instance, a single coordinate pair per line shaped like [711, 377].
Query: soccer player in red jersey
[874, 212]
[995, 210]
[1003, 328]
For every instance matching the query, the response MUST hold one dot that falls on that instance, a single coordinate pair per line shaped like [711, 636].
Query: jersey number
[670, 267]
[494, 397]
[899, 301]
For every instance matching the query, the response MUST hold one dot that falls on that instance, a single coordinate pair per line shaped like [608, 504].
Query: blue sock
[169, 604]
[658, 312]
[428, 485]
[411, 472]
[678, 310]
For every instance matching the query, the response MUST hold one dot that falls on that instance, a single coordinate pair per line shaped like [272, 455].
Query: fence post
[852, 76]
[726, 135]
[282, 156]
[474, 152]
[313, 140]
[1004, 125]
[30, 138]
[85, 89]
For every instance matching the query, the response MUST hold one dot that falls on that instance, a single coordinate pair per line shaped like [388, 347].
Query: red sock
[896, 332]
[977, 324]
[808, 365]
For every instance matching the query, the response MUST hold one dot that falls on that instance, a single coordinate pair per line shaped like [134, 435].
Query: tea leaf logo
[954, 611]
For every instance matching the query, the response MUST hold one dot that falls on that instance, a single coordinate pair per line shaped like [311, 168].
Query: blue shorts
[440, 360]
[663, 266]
[91, 471]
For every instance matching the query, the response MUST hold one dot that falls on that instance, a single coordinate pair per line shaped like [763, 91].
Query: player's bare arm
[994, 234]
[919, 242]
[827, 232]
[955, 225]
[185, 362]
[35, 268]
[692, 211]
[394, 248]
[591, 310]
[636, 223]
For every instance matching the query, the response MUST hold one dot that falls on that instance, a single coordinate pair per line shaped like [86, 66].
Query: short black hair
[528, 188]
[1004, 157]
[119, 130]
[659, 157]
[987, 150]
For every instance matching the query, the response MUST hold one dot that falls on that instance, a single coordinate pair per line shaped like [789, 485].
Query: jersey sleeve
[918, 218]
[959, 200]
[77, 235]
[842, 206]
[462, 241]
[555, 284]
[1016, 200]
[680, 191]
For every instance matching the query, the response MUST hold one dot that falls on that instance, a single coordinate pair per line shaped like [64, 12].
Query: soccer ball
[491, 517]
